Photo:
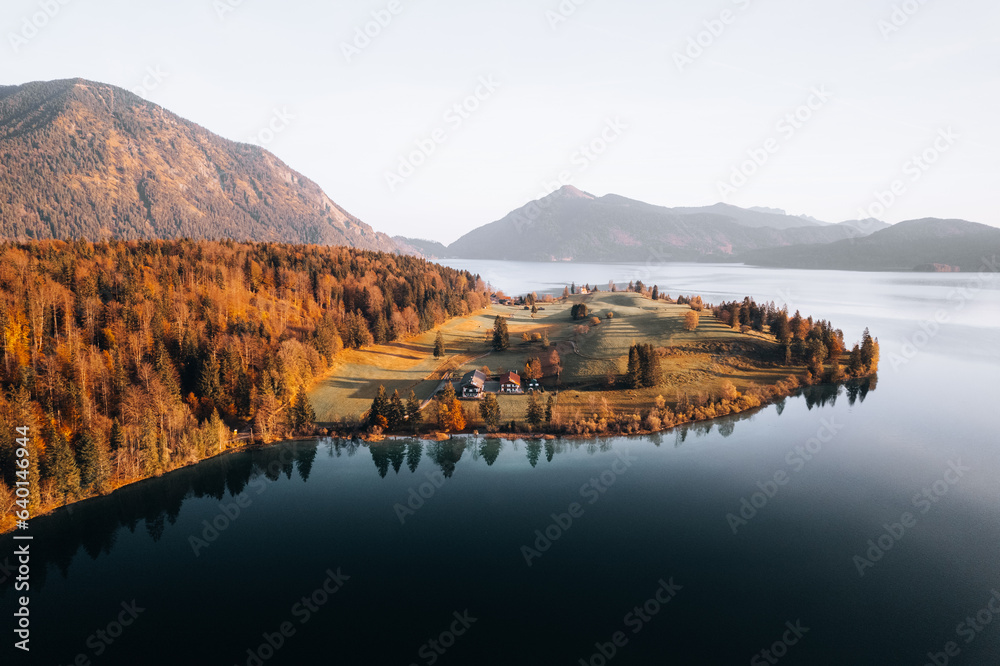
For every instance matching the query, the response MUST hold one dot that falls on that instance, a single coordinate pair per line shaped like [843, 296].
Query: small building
[532, 386]
[510, 382]
[472, 384]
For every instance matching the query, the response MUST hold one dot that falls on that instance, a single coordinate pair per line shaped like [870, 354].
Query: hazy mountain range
[90, 160]
[571, 225]
[926, 245]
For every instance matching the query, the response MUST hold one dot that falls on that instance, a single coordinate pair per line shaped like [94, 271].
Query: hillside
[928, 245]
[89, 160]
[428, 248]
[573, 225]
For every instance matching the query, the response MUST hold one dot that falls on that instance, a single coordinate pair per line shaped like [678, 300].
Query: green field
[696, 362]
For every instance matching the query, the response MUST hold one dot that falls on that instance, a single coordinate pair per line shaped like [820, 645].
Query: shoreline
[9, 523]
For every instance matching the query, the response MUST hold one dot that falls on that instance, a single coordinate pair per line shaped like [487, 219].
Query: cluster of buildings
[475, 384]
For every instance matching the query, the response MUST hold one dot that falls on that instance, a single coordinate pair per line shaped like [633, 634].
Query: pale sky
[669, 132]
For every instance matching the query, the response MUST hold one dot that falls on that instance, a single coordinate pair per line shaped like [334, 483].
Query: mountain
[90, 160]
[573, 225]
[427, 248]
[866, 227]
[929, 245]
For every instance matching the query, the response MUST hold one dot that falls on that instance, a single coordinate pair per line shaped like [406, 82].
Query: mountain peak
[570, 191]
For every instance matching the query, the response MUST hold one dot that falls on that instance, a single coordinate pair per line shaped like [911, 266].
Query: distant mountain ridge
[90, 160]
[929, 244]
[572, 225]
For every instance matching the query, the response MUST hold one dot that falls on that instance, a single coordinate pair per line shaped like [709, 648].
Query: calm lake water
[869, 534]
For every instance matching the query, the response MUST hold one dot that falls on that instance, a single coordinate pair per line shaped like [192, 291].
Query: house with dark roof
[472, 384]
[510, 382]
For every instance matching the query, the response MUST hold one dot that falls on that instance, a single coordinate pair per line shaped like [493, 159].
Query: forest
[126, 359]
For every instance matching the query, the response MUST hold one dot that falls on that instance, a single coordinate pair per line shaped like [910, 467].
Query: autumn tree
[690, 320]
[555, 363]
[450, 416]
[533, 369]
[869, 352]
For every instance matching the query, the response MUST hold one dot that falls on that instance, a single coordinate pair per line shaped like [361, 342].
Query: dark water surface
[628, 520]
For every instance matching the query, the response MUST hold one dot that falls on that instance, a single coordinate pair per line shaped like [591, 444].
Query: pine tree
[656, 293]
[64, 469]
[92, 459]
[303, 415]
[548, 409]
[439, 345]
[535, 412]
[632, 375]
[501, 338]
[413, 411]
[378, 415]
[397, 411]
[489, 409]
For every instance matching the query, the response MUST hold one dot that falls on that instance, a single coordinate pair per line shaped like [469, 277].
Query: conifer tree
[92, 459]
[501, 337]
[489, 409]
[413, 411]
[535, 412]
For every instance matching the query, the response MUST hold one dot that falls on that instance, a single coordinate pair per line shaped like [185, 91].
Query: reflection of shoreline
[94, 523]
[813, 394]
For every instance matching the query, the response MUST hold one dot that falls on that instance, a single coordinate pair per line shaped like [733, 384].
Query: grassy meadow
[593, 357]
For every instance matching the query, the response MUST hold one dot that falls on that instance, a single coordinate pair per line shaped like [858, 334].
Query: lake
[841, 526]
